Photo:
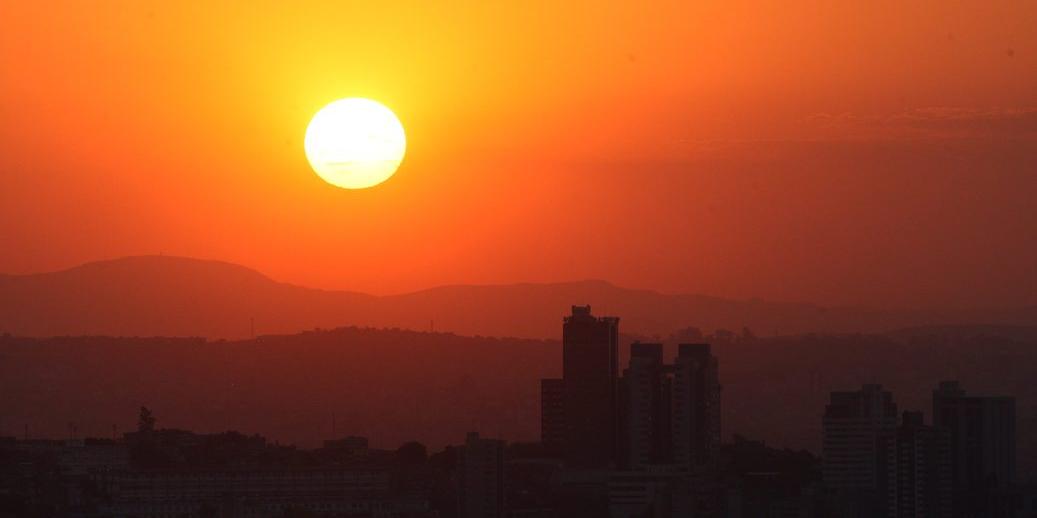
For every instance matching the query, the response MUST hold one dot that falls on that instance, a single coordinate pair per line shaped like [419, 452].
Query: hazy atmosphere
[468, 259]
[877, 154]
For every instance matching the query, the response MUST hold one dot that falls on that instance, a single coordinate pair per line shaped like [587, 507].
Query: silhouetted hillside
[164, 296]
[394, 385]
[391, 385]
[169, 296]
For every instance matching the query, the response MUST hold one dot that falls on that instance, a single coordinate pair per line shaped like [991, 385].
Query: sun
[355, 143]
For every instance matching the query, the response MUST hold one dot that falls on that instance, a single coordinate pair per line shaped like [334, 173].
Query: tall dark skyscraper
[695, 406]
[915, 469]
[855, 423]
[552, 414]
[671, 412]
[646, 430]
[982, 436]
[480, 476]
[590, 364]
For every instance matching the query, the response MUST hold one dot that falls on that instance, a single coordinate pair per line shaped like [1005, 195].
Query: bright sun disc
[355, 143]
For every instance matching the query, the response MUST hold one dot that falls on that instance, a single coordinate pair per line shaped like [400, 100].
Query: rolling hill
[174, 296]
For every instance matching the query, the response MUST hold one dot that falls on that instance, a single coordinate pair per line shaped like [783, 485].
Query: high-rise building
[695, 406]
[552, 414]
[481, 477]
[646, 423]
[854, 424]
[590, 364]
[656, 414]
[982, 440]
[916, 465]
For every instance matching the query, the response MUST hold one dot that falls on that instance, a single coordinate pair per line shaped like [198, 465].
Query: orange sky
[872, 153]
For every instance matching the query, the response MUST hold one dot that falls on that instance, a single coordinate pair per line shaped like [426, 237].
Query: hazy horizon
[497, 284]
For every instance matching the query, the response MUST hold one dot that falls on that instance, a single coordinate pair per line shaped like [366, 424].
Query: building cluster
[654, 415]
[649, 441]
[960, 465]
[643, 442]
[176, 473]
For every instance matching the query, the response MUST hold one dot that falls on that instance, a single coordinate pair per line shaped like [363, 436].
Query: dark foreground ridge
[288, 387]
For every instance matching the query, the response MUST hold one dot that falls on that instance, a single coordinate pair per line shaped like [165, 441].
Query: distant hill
[173, 296]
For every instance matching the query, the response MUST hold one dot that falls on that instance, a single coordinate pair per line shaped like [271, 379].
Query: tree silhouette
[411, 454]
[145, 420]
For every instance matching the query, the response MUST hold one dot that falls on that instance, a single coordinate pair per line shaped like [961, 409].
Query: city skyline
[644, 441]
[676, 259]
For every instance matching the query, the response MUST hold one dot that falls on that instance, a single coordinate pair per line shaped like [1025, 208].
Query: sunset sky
[874, 153]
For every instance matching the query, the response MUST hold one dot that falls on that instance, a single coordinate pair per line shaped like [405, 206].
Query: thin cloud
[970, 121]
[930, 122]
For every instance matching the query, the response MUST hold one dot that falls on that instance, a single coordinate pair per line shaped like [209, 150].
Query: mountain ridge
[179, 296]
